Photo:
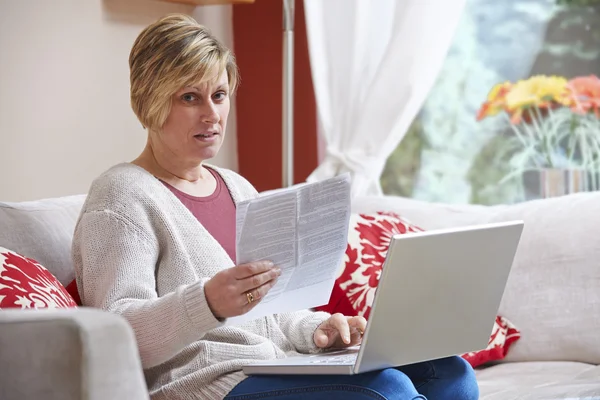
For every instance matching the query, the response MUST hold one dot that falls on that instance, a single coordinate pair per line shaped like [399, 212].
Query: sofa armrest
[68, 354]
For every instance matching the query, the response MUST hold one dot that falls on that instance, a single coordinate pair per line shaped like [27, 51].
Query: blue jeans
[444, 379]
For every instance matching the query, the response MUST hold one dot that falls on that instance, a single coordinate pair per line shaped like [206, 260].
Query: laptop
[438, 296]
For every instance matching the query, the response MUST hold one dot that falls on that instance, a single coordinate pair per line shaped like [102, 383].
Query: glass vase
[553, 182]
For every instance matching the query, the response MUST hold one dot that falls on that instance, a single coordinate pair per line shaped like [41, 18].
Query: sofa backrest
[425, 214]
[42, 230]
[553, 292]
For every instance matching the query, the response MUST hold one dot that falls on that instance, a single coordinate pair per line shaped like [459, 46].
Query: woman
[155, 243]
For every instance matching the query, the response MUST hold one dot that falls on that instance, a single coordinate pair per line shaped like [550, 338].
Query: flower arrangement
[555, 121]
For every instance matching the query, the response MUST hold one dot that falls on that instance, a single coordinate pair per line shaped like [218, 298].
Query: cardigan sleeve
[299, 327]
[115, 264]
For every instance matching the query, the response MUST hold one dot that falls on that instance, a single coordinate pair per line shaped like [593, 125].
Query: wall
[64, 90]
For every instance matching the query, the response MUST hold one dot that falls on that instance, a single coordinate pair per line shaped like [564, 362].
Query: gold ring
[250, 297]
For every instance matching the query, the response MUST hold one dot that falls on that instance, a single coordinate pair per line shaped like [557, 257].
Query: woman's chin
[208, 150]
[208, 153]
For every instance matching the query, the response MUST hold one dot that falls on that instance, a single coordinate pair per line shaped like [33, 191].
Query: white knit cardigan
[139, 252]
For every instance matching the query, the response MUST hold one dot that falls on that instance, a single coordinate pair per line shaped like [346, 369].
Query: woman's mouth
[206, 137]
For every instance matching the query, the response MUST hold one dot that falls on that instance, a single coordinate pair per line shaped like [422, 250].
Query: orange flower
[585, 94]
[539, 92]
[495, 101]
[519, 99]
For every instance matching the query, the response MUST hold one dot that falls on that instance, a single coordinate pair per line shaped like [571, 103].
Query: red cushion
[503, 335]
[74, 292]
[24, 283]
[368, 242]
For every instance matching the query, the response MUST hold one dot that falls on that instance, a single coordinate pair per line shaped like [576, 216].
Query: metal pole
[288, 93]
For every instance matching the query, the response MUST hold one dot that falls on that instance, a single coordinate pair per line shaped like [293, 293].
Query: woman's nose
[211, 114]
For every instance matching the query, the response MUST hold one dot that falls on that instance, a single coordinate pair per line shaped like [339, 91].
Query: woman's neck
[167, 168]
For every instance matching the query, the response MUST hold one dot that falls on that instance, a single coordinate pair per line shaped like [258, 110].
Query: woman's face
[195, 127]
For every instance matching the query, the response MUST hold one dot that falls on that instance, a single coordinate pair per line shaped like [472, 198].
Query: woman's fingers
[335, 331]
[357, 328]
[358, 323]
[251, 298]
[253, 282]
[236, 290]
[244, 271]
[320, 338]
[340, 323]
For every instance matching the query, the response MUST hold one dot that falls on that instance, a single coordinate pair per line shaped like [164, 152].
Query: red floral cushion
[24, 283]
[368, 242]
[503, 335]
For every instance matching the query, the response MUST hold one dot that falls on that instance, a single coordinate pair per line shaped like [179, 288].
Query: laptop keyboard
[342, 359]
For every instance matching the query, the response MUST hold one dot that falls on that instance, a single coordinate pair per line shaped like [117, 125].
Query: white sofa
[553, 297]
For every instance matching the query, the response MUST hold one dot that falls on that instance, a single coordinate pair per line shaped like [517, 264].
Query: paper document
[303, 230]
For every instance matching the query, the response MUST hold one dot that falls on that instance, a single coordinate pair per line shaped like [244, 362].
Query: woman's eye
[189, 97]
[220, 96]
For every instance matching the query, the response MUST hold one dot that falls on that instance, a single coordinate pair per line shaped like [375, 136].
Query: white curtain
[373, 63]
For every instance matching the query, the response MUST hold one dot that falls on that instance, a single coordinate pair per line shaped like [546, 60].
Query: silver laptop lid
[439, 294]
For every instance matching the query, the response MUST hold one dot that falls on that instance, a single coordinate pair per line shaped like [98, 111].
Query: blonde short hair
[168, 55]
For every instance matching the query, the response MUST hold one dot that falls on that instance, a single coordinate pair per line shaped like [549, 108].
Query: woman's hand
[340, 331]
[237, 290]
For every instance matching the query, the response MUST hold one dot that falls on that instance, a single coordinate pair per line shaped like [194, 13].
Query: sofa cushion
[24, 283]
[553, 291]
[539, 381]
[42, 230]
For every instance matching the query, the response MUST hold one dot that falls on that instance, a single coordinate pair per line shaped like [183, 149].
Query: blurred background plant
[555, 123]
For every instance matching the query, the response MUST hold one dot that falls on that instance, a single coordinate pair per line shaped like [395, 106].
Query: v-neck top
[140, 253]
[216, 212]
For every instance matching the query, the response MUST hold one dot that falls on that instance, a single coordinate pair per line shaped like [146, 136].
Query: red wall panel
[258, 45]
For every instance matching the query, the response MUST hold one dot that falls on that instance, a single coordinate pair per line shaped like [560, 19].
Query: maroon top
[215, 212]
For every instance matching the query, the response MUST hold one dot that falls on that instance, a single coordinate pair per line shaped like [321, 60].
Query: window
[447, 155]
